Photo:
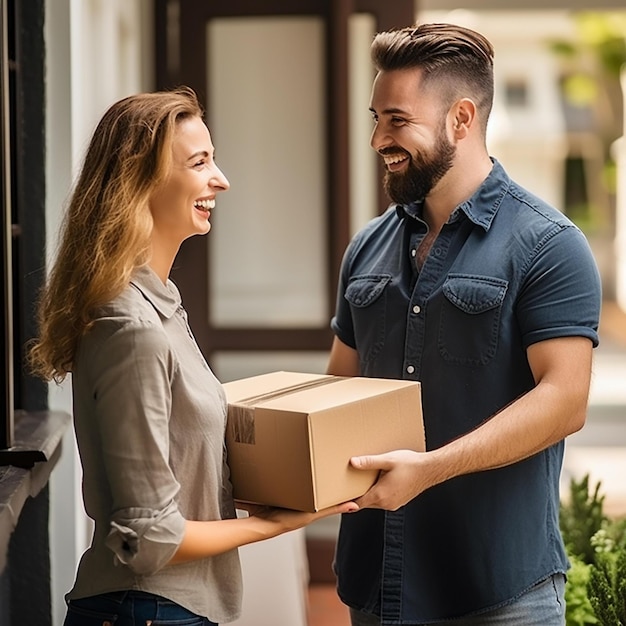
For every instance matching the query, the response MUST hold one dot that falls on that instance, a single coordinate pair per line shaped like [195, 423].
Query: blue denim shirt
[505, 271]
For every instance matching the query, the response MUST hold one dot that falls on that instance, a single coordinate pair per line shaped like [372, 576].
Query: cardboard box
[290, 435]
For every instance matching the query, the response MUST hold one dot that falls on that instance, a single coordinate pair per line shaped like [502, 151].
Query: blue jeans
[542, 605]
[130, 608]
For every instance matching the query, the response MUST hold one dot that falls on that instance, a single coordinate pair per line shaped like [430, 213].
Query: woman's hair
[458, 60]
[107, 224]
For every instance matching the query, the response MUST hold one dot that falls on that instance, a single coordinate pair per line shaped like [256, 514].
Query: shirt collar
[165, 298]
[481, 208]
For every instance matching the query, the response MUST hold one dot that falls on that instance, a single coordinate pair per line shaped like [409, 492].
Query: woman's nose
[219, 181]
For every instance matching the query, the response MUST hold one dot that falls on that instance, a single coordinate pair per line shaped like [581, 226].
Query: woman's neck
[161, 260]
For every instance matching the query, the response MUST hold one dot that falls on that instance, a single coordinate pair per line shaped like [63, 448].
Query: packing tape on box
[241, 413]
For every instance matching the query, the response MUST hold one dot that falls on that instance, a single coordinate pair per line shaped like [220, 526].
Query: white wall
[97, 52]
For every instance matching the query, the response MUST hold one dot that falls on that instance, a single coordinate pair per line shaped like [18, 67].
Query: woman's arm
[204, 539]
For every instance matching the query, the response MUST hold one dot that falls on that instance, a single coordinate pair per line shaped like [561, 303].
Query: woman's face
[181, 205]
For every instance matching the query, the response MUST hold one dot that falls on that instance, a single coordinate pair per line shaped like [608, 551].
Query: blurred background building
[286, 86]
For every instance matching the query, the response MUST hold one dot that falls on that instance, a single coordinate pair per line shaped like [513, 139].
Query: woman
[149, 414]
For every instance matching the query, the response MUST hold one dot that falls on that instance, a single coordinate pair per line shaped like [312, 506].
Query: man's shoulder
[529, 206]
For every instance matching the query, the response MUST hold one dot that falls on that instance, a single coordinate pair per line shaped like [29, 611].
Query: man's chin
[403, 196]
[400, 190]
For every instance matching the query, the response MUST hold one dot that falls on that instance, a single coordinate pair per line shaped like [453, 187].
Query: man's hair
[459, 61]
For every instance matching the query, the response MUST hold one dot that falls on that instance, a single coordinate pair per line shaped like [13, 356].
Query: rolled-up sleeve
[131, 375]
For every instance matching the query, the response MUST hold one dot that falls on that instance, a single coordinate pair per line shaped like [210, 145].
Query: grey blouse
[149, 417]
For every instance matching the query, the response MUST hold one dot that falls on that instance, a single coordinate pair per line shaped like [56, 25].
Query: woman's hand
[207, 538]
[285, 520]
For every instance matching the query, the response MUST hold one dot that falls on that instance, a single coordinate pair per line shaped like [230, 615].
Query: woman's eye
[199, 164]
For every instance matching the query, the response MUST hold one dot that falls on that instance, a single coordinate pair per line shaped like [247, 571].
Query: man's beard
[424, 171]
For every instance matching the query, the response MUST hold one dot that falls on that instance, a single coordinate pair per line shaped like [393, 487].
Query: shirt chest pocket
[469, 324]
[367, 298]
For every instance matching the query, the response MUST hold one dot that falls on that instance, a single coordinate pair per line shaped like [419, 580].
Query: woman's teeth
[204, 205]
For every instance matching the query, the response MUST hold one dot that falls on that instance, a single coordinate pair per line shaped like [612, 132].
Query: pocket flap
[475, 294]
[363, 290]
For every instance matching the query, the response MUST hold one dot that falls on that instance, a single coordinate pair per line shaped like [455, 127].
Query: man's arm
[553, 409]
[343, 360]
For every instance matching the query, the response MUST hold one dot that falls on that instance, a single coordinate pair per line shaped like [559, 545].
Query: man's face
[410, 134]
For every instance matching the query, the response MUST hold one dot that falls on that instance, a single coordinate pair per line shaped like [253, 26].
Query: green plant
[607, 580]
[596, 586]
[579, 611]
[581, 518]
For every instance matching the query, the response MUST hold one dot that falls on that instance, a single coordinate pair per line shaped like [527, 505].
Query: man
[489, 297]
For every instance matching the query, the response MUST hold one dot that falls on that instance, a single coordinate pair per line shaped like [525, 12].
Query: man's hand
[402, 477]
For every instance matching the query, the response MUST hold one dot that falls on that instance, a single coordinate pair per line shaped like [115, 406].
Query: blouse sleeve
[131, 377]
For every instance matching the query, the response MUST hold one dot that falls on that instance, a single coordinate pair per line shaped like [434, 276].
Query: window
[6, 295]
[22, 205]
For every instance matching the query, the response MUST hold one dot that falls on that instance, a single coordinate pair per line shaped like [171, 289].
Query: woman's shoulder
[127, 324]
[127, 314]
[130, 306]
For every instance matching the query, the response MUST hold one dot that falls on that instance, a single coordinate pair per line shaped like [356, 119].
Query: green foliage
[604, 33]
[600, 36]
[607, 580]
[596, 586]
[579, 611]
[581, 519]
[607, 588]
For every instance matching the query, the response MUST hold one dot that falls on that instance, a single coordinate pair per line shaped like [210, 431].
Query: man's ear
[463, 117]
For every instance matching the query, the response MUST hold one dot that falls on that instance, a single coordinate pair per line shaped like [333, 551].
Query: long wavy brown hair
[107, 225]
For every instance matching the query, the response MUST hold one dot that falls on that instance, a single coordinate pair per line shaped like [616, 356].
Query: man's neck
[459, 184]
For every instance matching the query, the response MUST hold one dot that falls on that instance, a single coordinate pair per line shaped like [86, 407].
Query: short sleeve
[341, 323]
[561, 293]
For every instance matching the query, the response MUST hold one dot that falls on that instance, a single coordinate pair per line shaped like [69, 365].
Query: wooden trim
[269, 339]
[396, 14]
[29, 194]
[162, 76]
[337, 71]
[6, 291]
[254, 8]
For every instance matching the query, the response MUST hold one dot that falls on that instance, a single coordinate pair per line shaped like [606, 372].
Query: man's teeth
[395, 158]
[204, 204]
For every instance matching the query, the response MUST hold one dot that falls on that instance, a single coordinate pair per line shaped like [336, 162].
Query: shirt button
[416, 309]
[413, 252]
[410, 369]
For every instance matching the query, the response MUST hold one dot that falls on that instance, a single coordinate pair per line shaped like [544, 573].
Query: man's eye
[397, 121]
[199, 164]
